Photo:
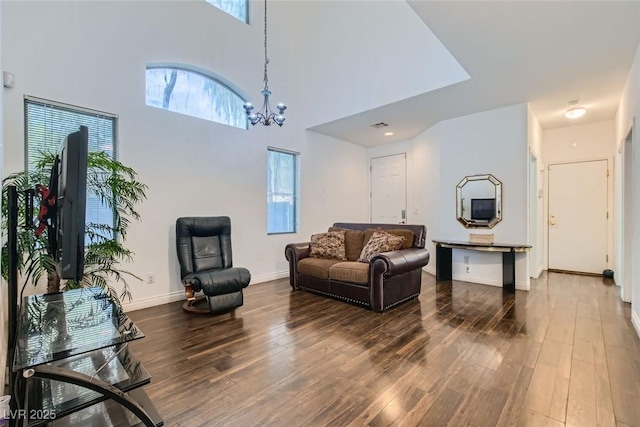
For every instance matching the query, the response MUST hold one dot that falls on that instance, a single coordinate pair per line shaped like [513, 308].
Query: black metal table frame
[444, 259]
[71, 377]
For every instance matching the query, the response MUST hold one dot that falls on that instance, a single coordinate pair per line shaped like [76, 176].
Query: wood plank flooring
[463, 354]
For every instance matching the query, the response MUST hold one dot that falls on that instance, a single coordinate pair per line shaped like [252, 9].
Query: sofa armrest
[400, 261]
[294, 252]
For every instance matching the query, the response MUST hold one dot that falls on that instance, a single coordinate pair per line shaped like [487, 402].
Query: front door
[578, 217]
[389, 189]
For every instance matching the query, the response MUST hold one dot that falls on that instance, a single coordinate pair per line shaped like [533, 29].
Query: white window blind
[47, 123]
[282, 191]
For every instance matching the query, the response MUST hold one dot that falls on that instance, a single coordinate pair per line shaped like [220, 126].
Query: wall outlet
[151, 278]
[467, 269]
[466, 260]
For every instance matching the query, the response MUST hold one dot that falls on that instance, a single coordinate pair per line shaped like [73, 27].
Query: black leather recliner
[204, 254]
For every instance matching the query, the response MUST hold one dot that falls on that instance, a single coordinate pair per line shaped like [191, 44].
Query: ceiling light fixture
[379, 125]
[388, 134]
[574, 113]
[265, 115]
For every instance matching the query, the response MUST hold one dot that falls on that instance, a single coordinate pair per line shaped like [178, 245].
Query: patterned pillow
[328, 245]
[380, 241]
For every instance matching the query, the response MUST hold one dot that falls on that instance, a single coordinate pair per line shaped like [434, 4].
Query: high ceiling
[544, 53]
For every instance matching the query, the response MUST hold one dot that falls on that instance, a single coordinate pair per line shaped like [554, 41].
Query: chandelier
[265, 115]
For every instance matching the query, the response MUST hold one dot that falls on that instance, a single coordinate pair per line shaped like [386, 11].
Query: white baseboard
[141, 303]
[635, 320]
[261, 278]
[538, 272]
[520, 285]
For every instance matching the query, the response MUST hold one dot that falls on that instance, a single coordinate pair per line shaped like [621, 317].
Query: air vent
[379, 125]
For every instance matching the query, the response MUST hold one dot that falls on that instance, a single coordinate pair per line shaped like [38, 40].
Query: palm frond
[118, 188]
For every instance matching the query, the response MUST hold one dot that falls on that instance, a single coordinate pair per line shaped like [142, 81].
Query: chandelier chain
[266, 59]
[265, 115]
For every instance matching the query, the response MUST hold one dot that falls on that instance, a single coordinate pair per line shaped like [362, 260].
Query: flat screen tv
[72, 204]
[483, 209]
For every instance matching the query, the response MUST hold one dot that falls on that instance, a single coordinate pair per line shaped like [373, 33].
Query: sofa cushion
[316, 267]
[353, 241]
[328, 245]
[352, 272]
[407, 234]
[380, 242]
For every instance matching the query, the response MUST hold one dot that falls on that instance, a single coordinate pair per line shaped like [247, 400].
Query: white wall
[489, 142]
[628, 112]
[365, 54]
[93, 54]
[590, 141]
[536, 205]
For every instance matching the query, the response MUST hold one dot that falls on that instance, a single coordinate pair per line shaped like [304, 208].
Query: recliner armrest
[400, 261]
[294, 252]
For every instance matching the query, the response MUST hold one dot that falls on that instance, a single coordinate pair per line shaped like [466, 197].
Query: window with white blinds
[47, 123]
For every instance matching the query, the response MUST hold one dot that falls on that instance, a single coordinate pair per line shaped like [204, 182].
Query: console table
[71, 357]
[444, 258]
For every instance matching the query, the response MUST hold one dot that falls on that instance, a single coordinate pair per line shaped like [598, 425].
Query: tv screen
[72, 204]
[483, 209]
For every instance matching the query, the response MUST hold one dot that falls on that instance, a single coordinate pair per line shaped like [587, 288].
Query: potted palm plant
[117, 187]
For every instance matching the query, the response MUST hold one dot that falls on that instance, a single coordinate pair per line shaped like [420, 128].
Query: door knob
[552, 223]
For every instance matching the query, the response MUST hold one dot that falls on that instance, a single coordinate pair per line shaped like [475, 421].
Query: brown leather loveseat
[388, 279]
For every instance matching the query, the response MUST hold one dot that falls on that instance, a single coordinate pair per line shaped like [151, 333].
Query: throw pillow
[407, 234]
[380, 241]
[352, 241]
[328, 245]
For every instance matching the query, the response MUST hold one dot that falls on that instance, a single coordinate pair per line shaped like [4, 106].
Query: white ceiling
[543, 52]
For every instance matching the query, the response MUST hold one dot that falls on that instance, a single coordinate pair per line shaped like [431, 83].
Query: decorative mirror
[479, 201]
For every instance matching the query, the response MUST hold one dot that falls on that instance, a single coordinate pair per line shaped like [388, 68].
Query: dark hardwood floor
[463, 354]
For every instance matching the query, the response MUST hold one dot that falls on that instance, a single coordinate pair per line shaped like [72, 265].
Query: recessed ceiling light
[574, 113]
[388, 134]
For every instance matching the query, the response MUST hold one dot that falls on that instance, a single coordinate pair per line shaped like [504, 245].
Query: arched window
[236, 8]
[194, 94]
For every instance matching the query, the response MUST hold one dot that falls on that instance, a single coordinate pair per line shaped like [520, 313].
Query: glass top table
[52, 327]
[71, 348]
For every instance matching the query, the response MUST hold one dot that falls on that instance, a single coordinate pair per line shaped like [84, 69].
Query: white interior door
[578, 216]
[389, 189]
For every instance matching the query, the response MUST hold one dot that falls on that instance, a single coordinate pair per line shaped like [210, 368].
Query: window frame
[205, 74]
[296, 190]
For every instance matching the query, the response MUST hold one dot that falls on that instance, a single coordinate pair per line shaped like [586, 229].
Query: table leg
[444, 263]
[509, 271]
